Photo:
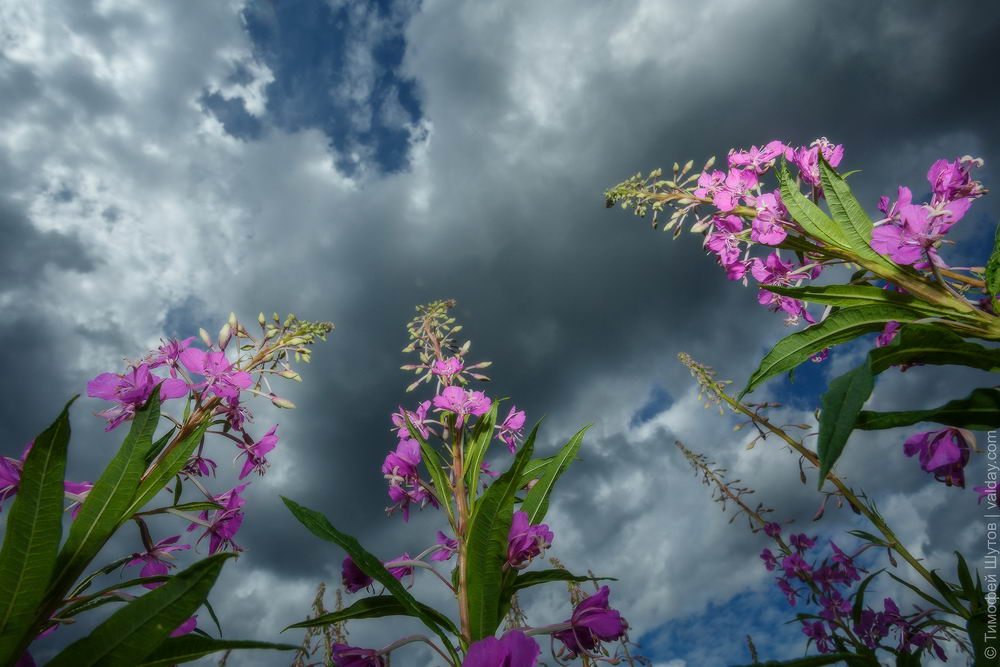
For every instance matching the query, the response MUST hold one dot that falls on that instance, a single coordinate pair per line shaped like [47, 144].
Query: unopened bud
[295, 342]
[280, 402]
[232, 320]
[225, 333]
[290, 375]
[261, 319]
[205, 338]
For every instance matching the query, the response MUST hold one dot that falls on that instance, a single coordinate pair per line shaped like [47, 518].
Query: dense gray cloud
[165, 165]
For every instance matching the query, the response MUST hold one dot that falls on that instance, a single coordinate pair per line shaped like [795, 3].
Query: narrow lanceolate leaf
[374, 607]
[993, 268]
[979, 411]
[846, 296]
[136, 630]
[319, 526]
[442, 489]
[839, 409]
[486, 549]
[931, 344]
[535, 577]
[810, 217]
[841, 326]
[31, 542]
[535, 468]
[536, 503]
[168, 466]
[101, 513]
[848, 213]
[476, 446]
[176, 650]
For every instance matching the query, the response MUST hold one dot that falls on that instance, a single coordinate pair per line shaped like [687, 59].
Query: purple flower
[766, 228]
[80, 490]
[514, 649]
[942, 453]
[186, 627]
[169, 354]
[774, 271]
[592, 622]
[807, 159]
[447, 367]
[462, 402]
[795, 565]
[352, 656]
[448, 547]
[130, 391]
[770, 562]
[400, 466]
[416, 418]
[352, 577]
[989, 491]
[817, 632]
[525, 542]
[400, 571]
[888, 334]
[402, 498]
[709, 183]
[738, 182]
[220, 378]
[10, 473]
[791, 594]
[834, 606]
[224, 523]
[235, 413]
[257, 451]
[156, 561]
[802, 543]
[510, 430]
[759, 159]
[725, 240]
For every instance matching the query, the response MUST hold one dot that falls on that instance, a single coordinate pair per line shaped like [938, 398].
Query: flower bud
[232, 320]
[225, 333]
[290, 375]
[205, 338]
[261, 319]
[295, 342]
[282, 402]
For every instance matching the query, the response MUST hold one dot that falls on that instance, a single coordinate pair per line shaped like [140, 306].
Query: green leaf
[101, 513]
[810, 661]
[536, 577]
[965, 579]
[476, 446]
[374, 607]
[848, 214]
[979, 411]
[486, 549]
[934, 601]
[536, 503]
[31, 541]
[992, 276]
[859, 596]
[841, 326]
[321, 527]
[848, 296]
[136, 630]
[74, 608]
[839, 409]
[809, 216]
[176, 650]
[534, 469]
[169, 465]
[158, 446]
[196, 506]
[931, 344]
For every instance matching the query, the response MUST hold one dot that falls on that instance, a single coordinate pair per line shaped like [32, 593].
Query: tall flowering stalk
[43, 583]
[494, 520]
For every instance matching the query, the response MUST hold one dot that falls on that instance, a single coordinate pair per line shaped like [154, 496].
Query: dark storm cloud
[531, 112]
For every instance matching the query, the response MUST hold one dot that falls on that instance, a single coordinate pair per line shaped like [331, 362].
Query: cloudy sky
[162, 164]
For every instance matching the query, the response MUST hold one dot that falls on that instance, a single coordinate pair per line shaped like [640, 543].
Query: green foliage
[31, 542]
[376, 606]
[979, 411]
[176, 650]
[536, 503]
[839, 409]
[992, 275]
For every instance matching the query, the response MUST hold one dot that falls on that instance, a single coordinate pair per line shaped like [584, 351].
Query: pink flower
[257, 451]
[417, 419]
[462, 402]
[514, 649]
[224, 523]
[943, 453]
[130, 391]
[759, 159]
[525, 542]
[168, 354]
[766, 228]
[186, 627]
[448, 547]
[510, 430]
[725, 240]
[888, 334]
[156, 561]
[447, 367]
[220, 378]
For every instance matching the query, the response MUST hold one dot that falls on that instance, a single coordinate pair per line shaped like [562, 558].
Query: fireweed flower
[817, 632]
[791, 594]
[186, 627]
[448, 547]
[156, 561]
[169, 354]
[510, 430]
[220, 378]
[772, 529]
[888, 334]
[774, 271]
[224, 523]
[807, 159]
[256, 453]
[10, 473]
[525, 542]
[130, 391]
[447, 368]
[591, 623]
[725, 240]
[943, 453]
[402, 498]
[802, 543]
[758, 159]
[770, 562]
[462, 403]
[352, 577]
[77, 491]
[767, 227]
[514, 649]
[352, 656]
[400, 466]
[400, 571]
[234, 413]
[416, 418]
